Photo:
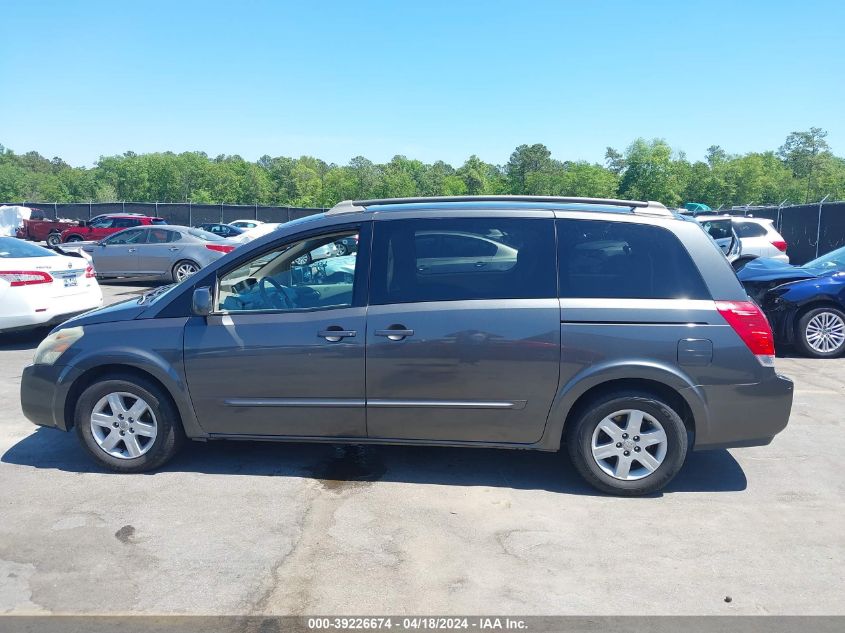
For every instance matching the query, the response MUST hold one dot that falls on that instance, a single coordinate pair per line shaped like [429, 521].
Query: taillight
[220, 248]
[780, 245]
[90, 273]
[749, 322]
[25, 277]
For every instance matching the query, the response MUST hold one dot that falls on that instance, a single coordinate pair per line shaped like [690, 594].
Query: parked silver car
[171, 252]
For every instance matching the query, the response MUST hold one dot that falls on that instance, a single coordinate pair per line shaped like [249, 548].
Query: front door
[463, 329]
[283, 354]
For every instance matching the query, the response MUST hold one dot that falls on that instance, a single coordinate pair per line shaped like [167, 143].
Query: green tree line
[803, 169]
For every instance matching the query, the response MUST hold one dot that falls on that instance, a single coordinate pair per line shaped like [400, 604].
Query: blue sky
[431, 80]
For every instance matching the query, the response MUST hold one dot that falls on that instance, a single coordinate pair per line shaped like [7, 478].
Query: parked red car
[41, 228]
[104, 225]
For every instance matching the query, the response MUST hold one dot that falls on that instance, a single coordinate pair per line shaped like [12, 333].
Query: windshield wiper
[152, 294]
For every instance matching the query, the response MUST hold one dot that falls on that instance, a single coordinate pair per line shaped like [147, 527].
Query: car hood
[765, 269]
[123, 311]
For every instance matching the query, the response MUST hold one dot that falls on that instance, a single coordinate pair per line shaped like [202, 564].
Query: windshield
[834, 260]
[12, 247]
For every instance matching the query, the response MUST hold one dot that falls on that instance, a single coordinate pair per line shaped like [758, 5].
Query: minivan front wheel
[127, 424]
[628, 444]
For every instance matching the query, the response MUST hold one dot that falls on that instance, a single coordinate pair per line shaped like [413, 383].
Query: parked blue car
[804, 304]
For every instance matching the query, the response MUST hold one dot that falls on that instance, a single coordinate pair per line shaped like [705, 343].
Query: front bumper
[44, 392]
[745, 415]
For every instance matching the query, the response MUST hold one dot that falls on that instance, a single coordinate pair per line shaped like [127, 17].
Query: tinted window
[718, 229]
[749, 229]
[160, 236]
[621, 260]
[126, 237]
[453, 260]
[158, 221]
[205, 235]
[101, 223]
[125, 222]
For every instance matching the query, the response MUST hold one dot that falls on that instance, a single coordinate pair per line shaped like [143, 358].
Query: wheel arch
[593, 383]
[94, 373]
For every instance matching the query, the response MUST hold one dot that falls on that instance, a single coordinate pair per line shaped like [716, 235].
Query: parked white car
[41, 287]
[246, 224]
[759, 237]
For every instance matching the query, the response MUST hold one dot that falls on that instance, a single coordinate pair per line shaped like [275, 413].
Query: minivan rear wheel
[128, 424]
[628, 443]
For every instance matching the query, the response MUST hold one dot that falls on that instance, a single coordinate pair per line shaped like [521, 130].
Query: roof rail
[650, 207]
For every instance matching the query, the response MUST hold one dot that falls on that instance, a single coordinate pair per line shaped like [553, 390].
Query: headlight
[55, 345]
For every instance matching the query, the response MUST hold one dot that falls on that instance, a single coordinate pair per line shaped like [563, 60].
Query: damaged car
[804, 304]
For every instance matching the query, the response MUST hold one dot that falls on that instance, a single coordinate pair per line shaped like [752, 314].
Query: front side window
[126, 237]
[461, 259]
[624, 260]
[304, 275]
[101, 223]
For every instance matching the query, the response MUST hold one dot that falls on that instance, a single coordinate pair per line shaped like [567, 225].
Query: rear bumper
[745, 415]
[44, 391]
[25, 312]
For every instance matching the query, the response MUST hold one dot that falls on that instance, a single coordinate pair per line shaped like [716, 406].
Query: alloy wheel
[123, 425]
[185, 270]
[825, 332]
[629, 444]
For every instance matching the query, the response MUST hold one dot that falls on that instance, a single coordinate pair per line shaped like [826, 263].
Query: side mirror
[201, 302]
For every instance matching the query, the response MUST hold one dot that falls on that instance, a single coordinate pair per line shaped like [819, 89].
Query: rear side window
[126, 222]
[749, 229]
[158, 221]
[460, 259]
[621, 260]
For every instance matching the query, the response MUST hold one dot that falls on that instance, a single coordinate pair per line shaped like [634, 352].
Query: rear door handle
[173, 248]
[132, 250]
[335, 334]
[395, 332]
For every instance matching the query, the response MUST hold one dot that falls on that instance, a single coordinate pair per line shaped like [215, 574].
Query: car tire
[159, 413]
[184, 269]
[597, 454]
[74, 238]
[820, 321]
[54, 239]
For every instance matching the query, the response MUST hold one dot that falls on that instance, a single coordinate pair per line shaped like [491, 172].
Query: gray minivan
[615, 328]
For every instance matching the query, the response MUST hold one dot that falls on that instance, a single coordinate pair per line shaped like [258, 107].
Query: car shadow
[24, 340]
[336, 467]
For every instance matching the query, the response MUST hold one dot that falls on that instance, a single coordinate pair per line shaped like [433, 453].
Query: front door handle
[395, 332]
[173, 248]
[335, 333]
[132, 250]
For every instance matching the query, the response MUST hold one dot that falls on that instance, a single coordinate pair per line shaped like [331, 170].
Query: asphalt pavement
[264, 528]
